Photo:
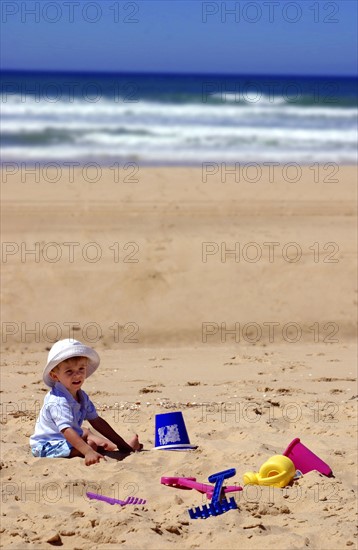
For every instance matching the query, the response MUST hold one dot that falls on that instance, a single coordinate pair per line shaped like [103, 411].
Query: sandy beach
[229, 299]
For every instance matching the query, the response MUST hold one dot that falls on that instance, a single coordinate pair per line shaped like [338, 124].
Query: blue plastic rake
[219, 503]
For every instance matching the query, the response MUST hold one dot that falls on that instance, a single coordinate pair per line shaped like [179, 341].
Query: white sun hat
[64, 349]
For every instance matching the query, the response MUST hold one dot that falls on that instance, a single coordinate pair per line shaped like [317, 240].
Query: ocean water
[177, 119]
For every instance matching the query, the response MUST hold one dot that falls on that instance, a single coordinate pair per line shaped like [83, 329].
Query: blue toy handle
[225, 474]
[218, 479]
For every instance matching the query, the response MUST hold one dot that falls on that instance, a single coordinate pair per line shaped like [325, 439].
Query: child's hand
[92, 457]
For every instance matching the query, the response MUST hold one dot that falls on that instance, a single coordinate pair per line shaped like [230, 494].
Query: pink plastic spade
[191, 483]
[305, 460]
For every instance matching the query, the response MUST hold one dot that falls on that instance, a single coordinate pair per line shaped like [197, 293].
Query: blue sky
[186, 36]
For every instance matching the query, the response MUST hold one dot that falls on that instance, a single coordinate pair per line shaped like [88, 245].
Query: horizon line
[170, 73]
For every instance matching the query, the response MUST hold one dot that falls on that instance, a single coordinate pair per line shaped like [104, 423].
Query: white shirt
[61, 410]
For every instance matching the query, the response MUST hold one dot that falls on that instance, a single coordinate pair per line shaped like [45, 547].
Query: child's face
[71, 373]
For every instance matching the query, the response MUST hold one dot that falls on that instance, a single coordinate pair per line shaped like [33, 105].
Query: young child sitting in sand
[58, 431]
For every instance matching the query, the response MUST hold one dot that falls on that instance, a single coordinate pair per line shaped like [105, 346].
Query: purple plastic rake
[109, 500]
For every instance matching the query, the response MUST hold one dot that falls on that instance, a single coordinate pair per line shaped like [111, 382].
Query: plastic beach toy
[278, 471]
[191, 483]
[218, 504]
[109, 500]
[171, 433]
[305, 460]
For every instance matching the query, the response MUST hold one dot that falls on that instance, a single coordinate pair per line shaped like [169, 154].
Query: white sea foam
[13, 106]
[188, 155]
[194, 132]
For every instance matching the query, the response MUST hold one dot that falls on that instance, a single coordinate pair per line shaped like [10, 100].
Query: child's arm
[91, 456]
[107, 431]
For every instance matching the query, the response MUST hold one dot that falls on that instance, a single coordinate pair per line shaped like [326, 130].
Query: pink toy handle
[187, 483]
[191, 483]
[201, 487]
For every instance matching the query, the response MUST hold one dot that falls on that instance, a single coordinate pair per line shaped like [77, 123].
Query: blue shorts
[58, 449]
